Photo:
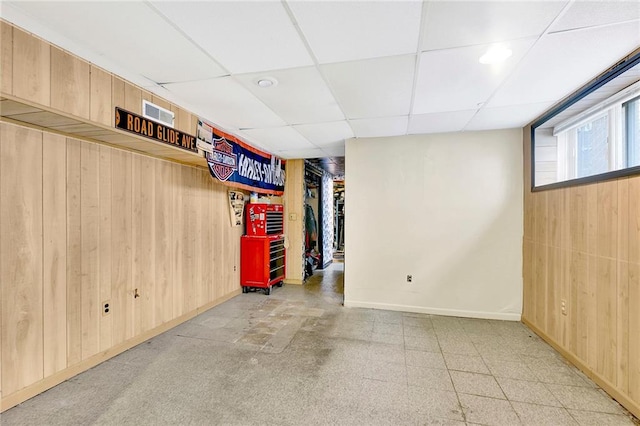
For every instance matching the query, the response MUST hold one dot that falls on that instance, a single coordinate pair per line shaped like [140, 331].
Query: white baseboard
[436, 311]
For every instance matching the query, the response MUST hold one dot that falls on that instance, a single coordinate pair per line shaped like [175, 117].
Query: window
[594, 135]
[632, 134]
[593, 147]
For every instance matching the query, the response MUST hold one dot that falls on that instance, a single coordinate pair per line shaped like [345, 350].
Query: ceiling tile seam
[280, 127]
[152, 7]
[416, 69]
[519, 64]
[316, 63]
[465, 46]
[187, 37]
[592, 27]
[488, 43]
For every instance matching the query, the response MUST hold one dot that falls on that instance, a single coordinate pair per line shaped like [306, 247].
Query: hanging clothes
[311, 227]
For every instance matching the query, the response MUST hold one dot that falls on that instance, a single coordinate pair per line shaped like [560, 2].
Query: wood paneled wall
[36, 71]
[582, 247]
[83, 224]
[294, 220]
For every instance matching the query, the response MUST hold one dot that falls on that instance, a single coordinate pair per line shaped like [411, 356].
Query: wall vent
[157, 113]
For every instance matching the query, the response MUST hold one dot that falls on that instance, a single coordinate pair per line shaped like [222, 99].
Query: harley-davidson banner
[239, 164]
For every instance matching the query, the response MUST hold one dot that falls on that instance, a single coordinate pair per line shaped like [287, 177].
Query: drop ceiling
[344, 69]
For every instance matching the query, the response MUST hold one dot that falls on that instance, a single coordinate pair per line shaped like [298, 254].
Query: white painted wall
[445, 208]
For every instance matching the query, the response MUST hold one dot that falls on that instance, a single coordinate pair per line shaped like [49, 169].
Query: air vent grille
[157, 113]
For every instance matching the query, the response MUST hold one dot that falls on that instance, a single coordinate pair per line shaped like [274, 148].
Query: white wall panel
[446, 209]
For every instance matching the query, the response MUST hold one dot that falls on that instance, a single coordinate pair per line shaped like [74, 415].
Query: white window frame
[566, 134]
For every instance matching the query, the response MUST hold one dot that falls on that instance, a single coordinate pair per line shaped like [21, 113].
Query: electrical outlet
[409, 278]
[563, 306]
[106, 308]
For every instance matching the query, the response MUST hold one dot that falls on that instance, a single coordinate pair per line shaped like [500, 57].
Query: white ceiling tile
[441, 122]
[560, 63]
[243, 36]
[131, 34]
[379, 127]
[591, 13]
[351, 30]
[335, 151]
[300, 95]
[455, 80]
[324, 134]
[508, 117]
[278, 138]
[464, 23]
[373, 87]
[300, 153]
[225, 102]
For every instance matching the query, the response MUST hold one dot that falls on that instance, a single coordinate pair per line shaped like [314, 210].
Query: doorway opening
[321, 222]
[338, 221]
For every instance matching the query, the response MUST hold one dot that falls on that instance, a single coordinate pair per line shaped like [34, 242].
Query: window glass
[594, 134]
[593, 147]
[632, 134]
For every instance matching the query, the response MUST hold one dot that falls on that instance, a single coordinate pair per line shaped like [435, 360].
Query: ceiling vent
[157, 113]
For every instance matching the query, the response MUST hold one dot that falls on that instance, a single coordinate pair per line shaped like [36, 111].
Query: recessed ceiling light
[267, 82]
[495, 55]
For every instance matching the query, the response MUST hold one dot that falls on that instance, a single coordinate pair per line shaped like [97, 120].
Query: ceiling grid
[344, 69]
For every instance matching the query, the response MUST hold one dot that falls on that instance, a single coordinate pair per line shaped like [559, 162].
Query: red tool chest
[262, 252]
[264, 219]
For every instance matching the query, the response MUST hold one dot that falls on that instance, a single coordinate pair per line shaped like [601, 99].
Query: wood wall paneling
[540, 219]
[607, 217]
[622, 327]
[294, 225]
[634, 220]
[183, 120]
[87, 218]
[585, 249]
[634, 333]
[100, 109]
[90, 244]
[74, 253]
[144, 180]
[22, 257]
[4, 132]
[70, 83]
[529, 297]
[132, 98]
[206, 235]
[592, 219]
[31, 68]
[623, 220]
[196, 220]
[540, 282]
[528, 206]
[117, 93]
[578, 271]
[121, 250]
[54, 228]
[105, 248]
[6, 61]
[553, 287]
[163, 242]
[217, 227]
[577, 218]
[178, 244]
[606, 314]
[556, 220]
